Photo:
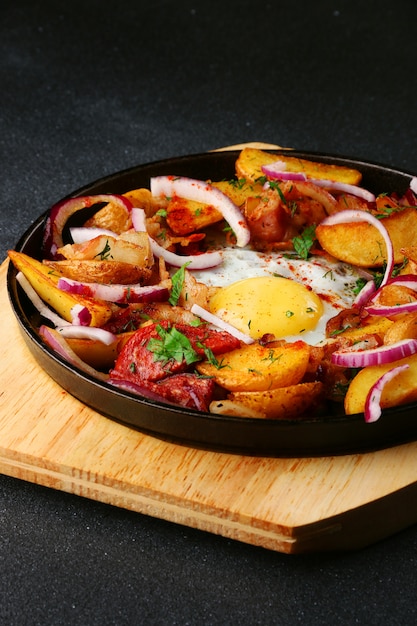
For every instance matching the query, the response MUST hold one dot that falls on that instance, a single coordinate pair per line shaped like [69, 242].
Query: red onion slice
[373, 401]
[139, 220]
[378, 309]
[200, 191]
[413, 184]
[140, 390]
[365, 294]
[55, 340]
[81, 234]
[194, 262]
[407, 280]
[353, 190]
[278, 171]
[80, 315]
[62, 211]
[375, 356]
[217, 321]
[87, 332]
[115, 292]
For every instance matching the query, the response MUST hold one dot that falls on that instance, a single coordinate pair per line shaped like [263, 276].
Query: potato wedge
[131, 247]
[403, 328]
[94, 353]
[143, 199]
[410, 253]
[393, 295]
[259, 368]
[112, 217]
[250, 161]
[239, 190]
[379, 326]
[45, 281]
[359, 243]
[186, 216]
[104, 272]
[400, 390]
[281, 403]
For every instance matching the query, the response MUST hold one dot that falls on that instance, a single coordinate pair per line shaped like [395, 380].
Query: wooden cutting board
[290, 505]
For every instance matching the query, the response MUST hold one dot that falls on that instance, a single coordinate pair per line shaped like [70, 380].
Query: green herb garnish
[172, 345]
[177, 284]
[104, 255]
[303, 243]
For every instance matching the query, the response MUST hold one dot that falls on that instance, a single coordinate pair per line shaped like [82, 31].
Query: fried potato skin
[104, 272]
[186, 216]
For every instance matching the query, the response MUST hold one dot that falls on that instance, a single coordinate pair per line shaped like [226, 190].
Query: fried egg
[293, 299]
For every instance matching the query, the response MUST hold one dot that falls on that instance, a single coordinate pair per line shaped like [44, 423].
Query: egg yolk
[268, 304]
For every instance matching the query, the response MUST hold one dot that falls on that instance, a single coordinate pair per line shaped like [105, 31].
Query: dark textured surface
[89, 88]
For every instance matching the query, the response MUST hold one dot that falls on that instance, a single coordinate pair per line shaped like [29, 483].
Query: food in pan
[270, 295]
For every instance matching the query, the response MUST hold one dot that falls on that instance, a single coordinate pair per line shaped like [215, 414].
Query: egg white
[333, 282]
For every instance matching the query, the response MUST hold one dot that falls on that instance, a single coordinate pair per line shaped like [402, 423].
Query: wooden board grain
[289, 505]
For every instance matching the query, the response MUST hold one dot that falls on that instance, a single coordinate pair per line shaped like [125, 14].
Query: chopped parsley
[177, 284]
[271, 356]
[303, 243]
[172, 345]
[104, 255]
[210, 356]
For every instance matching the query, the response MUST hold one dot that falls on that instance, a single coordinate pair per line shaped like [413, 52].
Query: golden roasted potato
[104, 272]
[359, 243]
[393, 295]
[186, 216]
[376, 326]
[112, 217]
[44, 281]
[143, 199]
[403, 328]
[401, 390]
[410, 253]
[131, 247]
[239, 190]
[283, 402]
[251, 160]
[257, 368]
[94, 353]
